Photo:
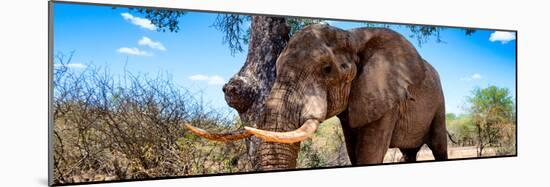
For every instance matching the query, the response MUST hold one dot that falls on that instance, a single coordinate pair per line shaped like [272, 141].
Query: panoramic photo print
[148, 93]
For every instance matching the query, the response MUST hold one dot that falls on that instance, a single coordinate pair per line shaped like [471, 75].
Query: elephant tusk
[306, 130]
[223, 137]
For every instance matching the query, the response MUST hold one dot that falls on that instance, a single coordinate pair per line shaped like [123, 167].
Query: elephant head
[323, 71]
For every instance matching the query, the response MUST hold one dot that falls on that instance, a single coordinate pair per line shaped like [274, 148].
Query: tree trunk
[481, 141]
[247, 91]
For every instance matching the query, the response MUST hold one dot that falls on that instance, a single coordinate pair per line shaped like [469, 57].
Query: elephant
[373, 79]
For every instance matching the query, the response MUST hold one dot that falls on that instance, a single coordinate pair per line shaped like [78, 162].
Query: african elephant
[373, 79]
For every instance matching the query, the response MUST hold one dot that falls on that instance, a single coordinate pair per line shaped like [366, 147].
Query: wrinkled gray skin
[373, 79]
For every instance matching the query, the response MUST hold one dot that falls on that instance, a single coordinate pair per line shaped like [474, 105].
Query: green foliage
[421, 33]
[450, 116]
[492, 111]
[469, 31]
[236, 33]
[327, 148]
[164, 19]
[490, 122]
[309, 157]
[461, 129]
[236, 27]
[299, 23]
[492, 104]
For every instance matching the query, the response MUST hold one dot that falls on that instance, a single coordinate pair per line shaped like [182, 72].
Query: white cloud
[199, 77]
[476, 76]
[212, 80]
[71, 65]
[473, 77]
[152, 44]
[502, 37]
[144, 41]
[216, 80]
[134, 51]
[142, 22]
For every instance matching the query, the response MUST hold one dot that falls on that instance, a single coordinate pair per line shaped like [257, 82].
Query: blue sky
[198, 61]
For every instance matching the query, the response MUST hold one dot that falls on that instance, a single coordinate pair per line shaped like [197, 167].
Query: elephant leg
[374, 140]
[409, 155]
[349, 137]
[438, 136]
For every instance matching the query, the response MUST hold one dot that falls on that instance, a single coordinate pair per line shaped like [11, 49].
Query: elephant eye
[327, 69]
[343, 66]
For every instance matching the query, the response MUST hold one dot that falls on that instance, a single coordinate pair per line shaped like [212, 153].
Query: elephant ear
[387, 67]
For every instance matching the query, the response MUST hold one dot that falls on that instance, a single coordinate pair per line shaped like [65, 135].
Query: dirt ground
[394, 155]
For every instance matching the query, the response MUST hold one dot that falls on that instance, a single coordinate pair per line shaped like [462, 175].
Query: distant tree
[461, 129]
[420, 33]
[491, 108]
[450, 116]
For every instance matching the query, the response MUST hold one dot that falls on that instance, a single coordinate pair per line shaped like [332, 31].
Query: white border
[23, 99]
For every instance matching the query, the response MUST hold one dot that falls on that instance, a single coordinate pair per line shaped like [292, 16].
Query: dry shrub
[109, 127]
[326, 149]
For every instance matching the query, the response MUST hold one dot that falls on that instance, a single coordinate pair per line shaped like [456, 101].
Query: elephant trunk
[277, 156]
[290, 117]
[292, 114]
